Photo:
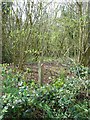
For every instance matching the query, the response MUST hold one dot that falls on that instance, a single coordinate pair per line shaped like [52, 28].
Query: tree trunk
[79, 5]
[0, 35]
[86, 54]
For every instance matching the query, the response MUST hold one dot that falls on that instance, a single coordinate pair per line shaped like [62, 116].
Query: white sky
[60, 1]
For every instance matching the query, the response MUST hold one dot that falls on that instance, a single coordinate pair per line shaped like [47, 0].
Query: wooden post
[40, 73]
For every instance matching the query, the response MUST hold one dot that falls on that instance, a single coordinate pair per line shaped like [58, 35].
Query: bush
[63, 99]
[80, 71]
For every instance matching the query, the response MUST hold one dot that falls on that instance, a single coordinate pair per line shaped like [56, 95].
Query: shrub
[63, 99]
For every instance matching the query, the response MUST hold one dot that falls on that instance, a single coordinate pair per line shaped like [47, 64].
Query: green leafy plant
[63, 99]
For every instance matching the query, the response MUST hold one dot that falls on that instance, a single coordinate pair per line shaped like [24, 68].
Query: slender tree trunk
[80, 31]
[40, 63]
[86, 54]
[0, 51]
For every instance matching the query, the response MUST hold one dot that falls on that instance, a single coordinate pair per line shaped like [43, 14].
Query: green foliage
[63, 99]
[39, 35]
[80, 71]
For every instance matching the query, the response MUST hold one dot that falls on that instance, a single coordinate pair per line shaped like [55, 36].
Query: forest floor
[50, 71]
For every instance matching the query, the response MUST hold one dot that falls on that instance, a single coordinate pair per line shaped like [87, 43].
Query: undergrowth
[64, 99]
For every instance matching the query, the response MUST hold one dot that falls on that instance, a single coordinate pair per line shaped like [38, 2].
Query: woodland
[45, 60]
